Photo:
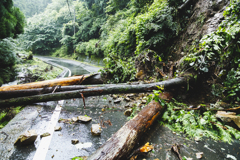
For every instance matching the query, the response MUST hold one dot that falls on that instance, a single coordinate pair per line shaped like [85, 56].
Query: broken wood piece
[175, 148]
[120, 145]
[83, 100]
[111, 89]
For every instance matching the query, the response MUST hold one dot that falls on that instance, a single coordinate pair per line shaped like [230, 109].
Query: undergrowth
[197, 124]
[7, 114]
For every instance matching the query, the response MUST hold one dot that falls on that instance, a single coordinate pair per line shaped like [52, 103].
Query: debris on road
[96, 129]
[27, 138]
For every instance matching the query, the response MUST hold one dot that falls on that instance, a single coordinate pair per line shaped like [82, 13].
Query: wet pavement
[110, 115]
[61, 147]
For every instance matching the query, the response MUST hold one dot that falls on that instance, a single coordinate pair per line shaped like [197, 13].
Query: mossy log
[106, 89]
[120, 145]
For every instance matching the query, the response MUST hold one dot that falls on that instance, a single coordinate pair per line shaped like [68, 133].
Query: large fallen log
[38, 91]
[111, 89]
[120, 145]
[83, 79]
[49, 83]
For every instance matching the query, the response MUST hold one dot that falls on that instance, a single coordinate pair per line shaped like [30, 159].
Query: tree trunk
[111, 89]
[85, 79]
[38, 91]
[120, 145]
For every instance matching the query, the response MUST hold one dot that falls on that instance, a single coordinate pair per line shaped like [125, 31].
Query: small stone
[141, 94]
[197, 139]
[127, 99]
[199, 155]
[27, 138]
[74, 119]
[117, 100]
[128, 112]
[96, 129]
[131, 95]
[115, 96]
[75, 141]
[127, 105]
[57, 128]
[144, 101]
[45, 134]
[84, 118]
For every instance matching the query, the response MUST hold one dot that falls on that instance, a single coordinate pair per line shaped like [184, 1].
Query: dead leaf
[134, 157]
[146, 148]
[228, 117]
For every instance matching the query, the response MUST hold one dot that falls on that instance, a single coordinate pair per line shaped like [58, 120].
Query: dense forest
[136, 38]
[132, 33]
[12, 23]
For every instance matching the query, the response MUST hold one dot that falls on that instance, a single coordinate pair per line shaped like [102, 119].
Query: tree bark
[85, 79]
[120, 145]
[111, 89]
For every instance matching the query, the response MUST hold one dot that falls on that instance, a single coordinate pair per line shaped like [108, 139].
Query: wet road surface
[161, 137]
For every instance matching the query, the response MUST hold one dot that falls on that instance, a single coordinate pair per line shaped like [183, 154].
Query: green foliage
[115, 5]
[91, 47]
[31, 7]
[119, 70]
[7, 114]
[232, 86]
[77, 158]
[155, 96]
[220, 50]
[37, 70]
[44, 31]
[7, 60]
[221, 47]
[197, 124]
[11, 20]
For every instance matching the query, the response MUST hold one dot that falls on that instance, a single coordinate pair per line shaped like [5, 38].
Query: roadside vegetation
[135, 40]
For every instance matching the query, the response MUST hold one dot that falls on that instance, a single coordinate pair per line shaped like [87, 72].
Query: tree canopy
[11, 20]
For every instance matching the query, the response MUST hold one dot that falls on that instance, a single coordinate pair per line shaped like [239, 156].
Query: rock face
[205, 18]
[27, 138]
[96, 129]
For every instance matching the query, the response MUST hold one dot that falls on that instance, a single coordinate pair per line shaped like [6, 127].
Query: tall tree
[11, 20]
[11, 24]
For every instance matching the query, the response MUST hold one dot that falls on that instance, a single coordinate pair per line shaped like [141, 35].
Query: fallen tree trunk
[85, 79]
[38, 91]
[111, 89]
[120, 145]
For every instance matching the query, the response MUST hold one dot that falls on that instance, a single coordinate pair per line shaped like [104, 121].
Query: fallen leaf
[146, 148]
